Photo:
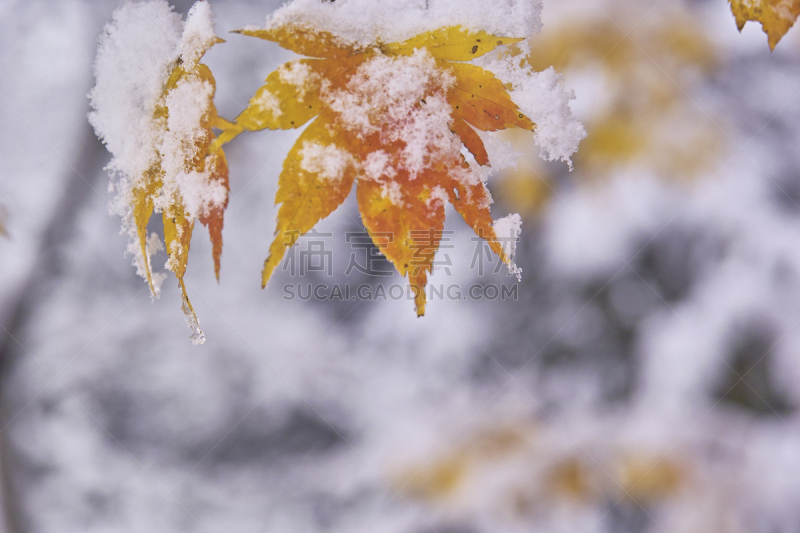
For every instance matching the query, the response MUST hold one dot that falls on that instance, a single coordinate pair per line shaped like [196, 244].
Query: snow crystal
[507, 230]
[329, 161]
[363, 22]
[174, 251]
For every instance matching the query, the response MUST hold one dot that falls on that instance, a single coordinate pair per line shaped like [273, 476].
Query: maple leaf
[189, 177]
[393, 118]
[776, 16]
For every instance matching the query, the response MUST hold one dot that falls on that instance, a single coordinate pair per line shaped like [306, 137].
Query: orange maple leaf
[392, 117]
[776, 16]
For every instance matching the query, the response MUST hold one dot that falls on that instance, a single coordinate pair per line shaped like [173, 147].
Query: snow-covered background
[644, 381]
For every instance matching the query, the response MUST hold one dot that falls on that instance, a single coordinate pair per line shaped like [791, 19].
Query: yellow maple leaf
[776, 16]
[190, 154]
[393, 118]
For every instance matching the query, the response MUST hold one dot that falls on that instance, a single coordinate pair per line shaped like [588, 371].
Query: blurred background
[644, 380]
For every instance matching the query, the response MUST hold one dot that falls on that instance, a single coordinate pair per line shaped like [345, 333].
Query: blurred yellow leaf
[614, 139]
[3, 215]
[438, 481]
[647, 70]
[524, 191]
[646, 478]
[570, 478]
[444, 477]
[643, 115]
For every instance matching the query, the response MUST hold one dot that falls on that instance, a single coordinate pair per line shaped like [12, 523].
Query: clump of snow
[502, 155]
[507, 230]
[199, 194]
[187, 103]
[134, 57]
[328, 161]
[543, 99]
[438, 194]
[472, 175]
[268, 102]
[377, 165]
[365, 22]
[427, 136]
[298, 74]
[198, 33]
[402, 99]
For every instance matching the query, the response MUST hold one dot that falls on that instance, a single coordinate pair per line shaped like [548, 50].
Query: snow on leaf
[395, 116]
[173, 168]
[776, 16]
